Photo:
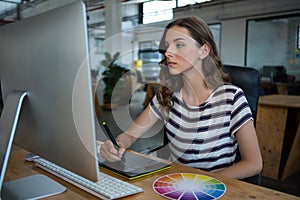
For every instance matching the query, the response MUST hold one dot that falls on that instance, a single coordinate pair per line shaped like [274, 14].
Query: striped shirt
[204, 136]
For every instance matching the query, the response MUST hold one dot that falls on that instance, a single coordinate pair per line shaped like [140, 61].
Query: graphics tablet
[133, 166]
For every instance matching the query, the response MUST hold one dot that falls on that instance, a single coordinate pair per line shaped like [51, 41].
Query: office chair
[248, 80]
[139, 76]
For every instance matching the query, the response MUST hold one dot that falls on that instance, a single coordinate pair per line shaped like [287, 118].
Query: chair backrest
[248, 80]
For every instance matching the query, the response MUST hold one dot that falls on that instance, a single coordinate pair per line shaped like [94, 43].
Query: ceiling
[10, 9]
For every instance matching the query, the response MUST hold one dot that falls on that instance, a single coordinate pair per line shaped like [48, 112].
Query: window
[6, 8]
[298, 37]
[156, 11]
[8, 5]
[182, 3]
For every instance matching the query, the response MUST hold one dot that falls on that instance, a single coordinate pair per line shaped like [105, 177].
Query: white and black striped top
[204, 136]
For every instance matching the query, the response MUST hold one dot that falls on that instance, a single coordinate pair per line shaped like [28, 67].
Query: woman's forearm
[141, 125]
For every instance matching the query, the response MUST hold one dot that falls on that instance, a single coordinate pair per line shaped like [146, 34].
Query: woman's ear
[204, 51]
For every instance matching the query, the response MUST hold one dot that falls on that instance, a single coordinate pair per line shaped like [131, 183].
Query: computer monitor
[47, 56]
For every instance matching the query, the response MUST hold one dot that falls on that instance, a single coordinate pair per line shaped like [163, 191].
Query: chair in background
[139, 76]
[149, 86]
[248, 80]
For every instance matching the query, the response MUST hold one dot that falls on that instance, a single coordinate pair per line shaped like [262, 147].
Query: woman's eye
[179, 45]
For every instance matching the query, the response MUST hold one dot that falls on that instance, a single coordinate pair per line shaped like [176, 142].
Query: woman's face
[182, 51]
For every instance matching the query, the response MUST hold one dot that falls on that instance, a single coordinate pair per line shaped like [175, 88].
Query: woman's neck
[194, 90]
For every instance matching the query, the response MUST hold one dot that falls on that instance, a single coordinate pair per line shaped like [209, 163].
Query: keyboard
[107, 187]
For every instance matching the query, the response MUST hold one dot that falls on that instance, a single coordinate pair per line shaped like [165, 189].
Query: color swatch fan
[188, 186]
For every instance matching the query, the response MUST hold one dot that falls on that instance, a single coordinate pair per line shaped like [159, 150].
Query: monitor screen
[47, 56]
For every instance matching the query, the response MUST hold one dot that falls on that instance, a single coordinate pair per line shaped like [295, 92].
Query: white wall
[233, 37]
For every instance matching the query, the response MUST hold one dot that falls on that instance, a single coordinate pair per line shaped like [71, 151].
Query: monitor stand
[30, 187]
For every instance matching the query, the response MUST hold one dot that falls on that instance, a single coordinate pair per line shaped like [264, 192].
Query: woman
[205, 116]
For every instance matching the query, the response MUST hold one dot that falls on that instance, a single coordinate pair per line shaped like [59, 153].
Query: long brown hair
[211, 65]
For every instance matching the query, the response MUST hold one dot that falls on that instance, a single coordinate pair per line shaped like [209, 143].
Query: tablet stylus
[110, 136]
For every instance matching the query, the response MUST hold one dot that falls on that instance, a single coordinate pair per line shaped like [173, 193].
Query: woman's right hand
[143, 123]
[109, 152]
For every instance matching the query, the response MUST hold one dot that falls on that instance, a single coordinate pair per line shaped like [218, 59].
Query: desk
[278, 132]
[280, 88]
[18, 168]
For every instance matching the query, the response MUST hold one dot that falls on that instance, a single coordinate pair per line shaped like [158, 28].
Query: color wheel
[188, 186]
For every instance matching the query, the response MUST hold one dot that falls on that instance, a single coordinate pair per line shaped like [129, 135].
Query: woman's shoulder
[226, 91]
[227, 88]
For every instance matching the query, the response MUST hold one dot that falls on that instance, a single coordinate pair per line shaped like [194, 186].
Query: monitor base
[31, 187]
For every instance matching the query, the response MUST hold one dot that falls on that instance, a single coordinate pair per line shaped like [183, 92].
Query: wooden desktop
[235, 189]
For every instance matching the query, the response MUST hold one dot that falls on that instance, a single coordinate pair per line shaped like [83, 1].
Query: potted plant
[111, 75]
